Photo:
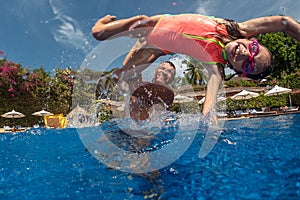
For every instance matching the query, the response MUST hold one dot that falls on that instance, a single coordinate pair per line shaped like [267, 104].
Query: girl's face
[247, 56]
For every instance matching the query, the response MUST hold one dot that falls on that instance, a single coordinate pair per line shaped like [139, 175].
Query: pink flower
[10, 89]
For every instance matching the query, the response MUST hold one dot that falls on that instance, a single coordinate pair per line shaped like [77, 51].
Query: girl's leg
[138, 59]
[109, 26]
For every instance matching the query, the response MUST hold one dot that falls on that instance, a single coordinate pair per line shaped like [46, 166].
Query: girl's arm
[271, 24]
[213, 86]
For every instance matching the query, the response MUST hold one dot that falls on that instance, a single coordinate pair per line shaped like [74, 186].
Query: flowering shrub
[32, 90]
[16, 81]
[13, 79]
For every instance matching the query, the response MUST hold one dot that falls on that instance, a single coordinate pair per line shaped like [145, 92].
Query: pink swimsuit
[190, 34]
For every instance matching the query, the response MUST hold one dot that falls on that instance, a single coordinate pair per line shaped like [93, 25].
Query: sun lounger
[7, 128]
[20, 128]
[292, 109]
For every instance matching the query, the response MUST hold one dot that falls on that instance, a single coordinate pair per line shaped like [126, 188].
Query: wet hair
[233, 29]
[170, 63]
[259, 76]
[262, 75]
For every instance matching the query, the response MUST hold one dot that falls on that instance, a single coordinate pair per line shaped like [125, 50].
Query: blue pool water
[257, 158]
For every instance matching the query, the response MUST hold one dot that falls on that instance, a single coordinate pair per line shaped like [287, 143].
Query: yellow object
[56, 121]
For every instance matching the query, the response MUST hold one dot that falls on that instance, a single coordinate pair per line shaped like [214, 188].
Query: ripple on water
[253, 159]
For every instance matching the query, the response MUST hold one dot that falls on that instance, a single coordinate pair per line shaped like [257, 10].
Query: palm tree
[194, 72]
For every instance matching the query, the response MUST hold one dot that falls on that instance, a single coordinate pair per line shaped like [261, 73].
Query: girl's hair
[233, 30]
[262, 75]
[259, 76]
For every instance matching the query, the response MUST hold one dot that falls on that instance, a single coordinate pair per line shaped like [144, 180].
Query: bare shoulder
[155, 18]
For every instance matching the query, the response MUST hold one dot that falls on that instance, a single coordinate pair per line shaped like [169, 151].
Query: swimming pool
[257, 158]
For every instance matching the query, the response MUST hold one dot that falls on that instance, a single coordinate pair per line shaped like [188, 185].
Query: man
[145, 96]
[148, 97]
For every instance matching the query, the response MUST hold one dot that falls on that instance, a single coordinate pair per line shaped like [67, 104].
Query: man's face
[164, 74]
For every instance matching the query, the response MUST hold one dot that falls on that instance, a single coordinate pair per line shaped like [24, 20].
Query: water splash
[150, 144]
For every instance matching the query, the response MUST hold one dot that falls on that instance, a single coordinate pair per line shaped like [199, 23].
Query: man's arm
[271, 24]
